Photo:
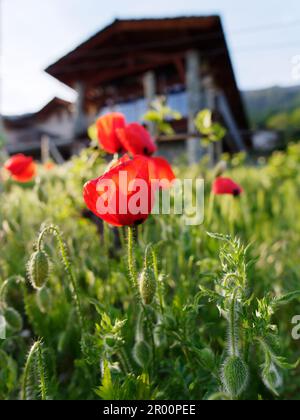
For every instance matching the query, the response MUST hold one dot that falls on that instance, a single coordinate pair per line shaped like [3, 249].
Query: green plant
[247, 324]
[211, 131]
[230, 339]
[34, 378]
[160, 114]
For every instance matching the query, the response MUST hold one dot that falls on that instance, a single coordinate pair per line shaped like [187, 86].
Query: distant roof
[130, 47]
[16, 121]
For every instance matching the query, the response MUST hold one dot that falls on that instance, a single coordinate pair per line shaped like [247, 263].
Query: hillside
[266, 103]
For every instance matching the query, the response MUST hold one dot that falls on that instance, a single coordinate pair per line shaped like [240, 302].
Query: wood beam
[195, 101]
[149, 83]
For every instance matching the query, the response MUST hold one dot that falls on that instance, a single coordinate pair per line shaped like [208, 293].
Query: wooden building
[125, 65]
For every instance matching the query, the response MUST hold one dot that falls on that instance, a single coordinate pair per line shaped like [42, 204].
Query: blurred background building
[124, 67]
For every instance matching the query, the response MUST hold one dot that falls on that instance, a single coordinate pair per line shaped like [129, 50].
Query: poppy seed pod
[13, 319]
[38, 269]
[235, 376]
[147, 286]
[142, 353]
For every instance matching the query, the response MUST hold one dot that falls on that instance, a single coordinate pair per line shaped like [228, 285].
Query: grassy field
[220, 323]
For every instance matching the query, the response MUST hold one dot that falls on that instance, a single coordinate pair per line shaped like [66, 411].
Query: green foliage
[263, 104]
[161, 115]
[137, 388]
[8, 376]
[211, 131]
[34, 384]
[287, 122]
[216, 298]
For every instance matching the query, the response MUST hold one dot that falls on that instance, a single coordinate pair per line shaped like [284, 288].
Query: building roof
[21, 121]
[128, 48]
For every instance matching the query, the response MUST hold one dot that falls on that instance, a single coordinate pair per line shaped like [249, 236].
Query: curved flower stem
[43, 386]
[159, 283]
[210, 208]
[231, 214]
[54, 231]
[233, 327]
[35, 351]
[6, 284]
[150, 334]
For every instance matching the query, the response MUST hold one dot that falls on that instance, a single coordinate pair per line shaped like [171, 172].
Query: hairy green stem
[159, 283]
[233, 327]
[54, 231]
[210, 208]
[35, 351]
[131, 258]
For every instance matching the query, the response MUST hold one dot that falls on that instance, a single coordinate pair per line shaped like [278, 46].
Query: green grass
[176, 347]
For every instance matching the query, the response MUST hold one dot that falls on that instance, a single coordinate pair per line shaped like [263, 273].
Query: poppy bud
[38, 269]
[142, 353]
[147, 286]
[40, 192]
[235, 376]
[44, 299]
[13, 320]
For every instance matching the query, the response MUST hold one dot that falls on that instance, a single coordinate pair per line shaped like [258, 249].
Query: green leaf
[219, 236]
[289, 297]
[106, 390]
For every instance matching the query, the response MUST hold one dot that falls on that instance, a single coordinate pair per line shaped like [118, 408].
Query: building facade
[127, 64]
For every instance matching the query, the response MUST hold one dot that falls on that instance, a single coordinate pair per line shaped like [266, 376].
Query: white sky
[34, 33]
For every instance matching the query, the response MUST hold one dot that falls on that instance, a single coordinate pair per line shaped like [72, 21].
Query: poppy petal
[223, 186]
[106, 131]
[109, 197]
[21, 168]
[136, 140]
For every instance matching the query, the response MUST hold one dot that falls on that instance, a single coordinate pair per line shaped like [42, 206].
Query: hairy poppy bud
[38, 269]
[220, 168]
[235, 376]
[40, 192]
[142, 353]
[147, 286]
[13, 319]
[44, 299]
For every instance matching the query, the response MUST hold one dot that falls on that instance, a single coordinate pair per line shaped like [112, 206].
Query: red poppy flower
[123, 195]
[49, 166]
[21, 168]
[161, 170]
[136, 140]
[227, 186]
[107, 125]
